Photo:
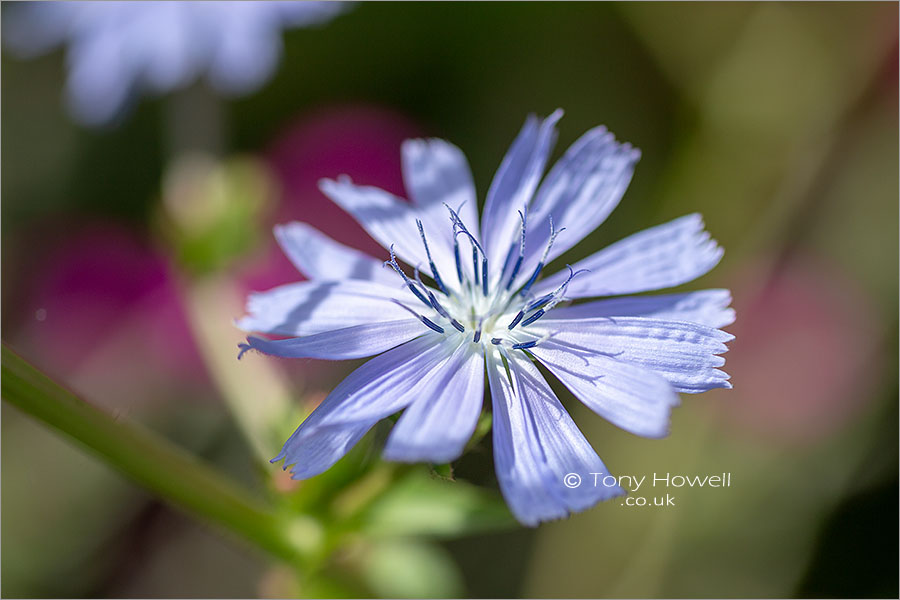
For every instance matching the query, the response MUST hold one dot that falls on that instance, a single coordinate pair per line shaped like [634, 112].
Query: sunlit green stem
[255, 391]
[146, 458]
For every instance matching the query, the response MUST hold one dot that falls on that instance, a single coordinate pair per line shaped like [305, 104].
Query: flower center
[492, 312]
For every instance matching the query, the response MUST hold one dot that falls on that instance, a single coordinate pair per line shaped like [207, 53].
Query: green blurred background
[776, 121]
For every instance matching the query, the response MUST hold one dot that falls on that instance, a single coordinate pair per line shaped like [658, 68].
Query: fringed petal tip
[532, 521]
[728, 316]
[250, 344]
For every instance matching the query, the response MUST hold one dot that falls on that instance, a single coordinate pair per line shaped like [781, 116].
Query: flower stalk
[147, 459]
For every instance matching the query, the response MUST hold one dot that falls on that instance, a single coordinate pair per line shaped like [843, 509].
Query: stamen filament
[425, 320]
[540, 266]
[393, 264]
[434, 272]
[554, 298]
[437, 305]
[518, 265]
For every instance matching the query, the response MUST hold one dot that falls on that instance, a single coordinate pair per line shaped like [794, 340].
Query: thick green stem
[146, 458]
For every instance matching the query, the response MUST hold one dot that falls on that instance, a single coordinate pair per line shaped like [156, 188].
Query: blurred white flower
[118, 50]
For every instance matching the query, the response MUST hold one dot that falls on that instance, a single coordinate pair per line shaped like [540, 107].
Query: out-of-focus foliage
[212, 212]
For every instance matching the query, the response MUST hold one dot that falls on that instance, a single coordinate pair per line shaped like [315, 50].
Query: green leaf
[410, 569]
[421, 504]
[444, 471]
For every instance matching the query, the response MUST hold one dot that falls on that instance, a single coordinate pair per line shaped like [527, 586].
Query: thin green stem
[149, 460]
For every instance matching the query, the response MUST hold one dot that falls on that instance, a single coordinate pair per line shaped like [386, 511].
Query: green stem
[149, 460]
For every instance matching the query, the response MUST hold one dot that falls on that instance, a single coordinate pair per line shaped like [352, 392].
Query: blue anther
[537, 315]
[475, 263]
[484, 276]
[532, 279]
[438, 306]
[496, 341]
[477, 337]
[456, 256]
[539, 302]
[516, 320]
[431, 299]
[428, 322]
[419, 295]
[432, 324]
[525, 345]
[550, 300]
[434, 272]
[515, 272]
[508, 260]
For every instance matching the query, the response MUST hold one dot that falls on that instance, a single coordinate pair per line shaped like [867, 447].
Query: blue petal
[306, 12]
[391, 221]
[245, 59]
[341, 344]
[312, 307]
[388, 382]
[100, 81]
[685, 354]
[311, 451]
[436, 172]
[318, 256]
[249, 46]
[536, 445]
[628, 396]
[437, 425]
[663, 256]
[579, 192]
[706, 307]
[514, 184]
[379, 388]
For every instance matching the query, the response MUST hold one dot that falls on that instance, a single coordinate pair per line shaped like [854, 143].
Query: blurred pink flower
[805, 347]
[361, 141]
[103, 303]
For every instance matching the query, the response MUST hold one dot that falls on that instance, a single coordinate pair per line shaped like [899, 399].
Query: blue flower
[118, 49]
[484, 306]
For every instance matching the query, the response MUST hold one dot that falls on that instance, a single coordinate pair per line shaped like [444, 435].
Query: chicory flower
[476, 300]
[117, 49]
